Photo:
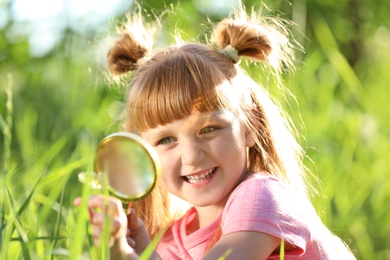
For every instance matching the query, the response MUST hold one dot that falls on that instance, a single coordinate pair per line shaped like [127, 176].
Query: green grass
[53, 112]
[48, 135]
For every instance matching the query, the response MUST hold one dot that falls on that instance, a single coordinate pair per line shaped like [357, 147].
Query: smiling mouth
[201, 177]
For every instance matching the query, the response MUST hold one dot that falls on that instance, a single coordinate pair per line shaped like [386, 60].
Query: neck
[207, 214]
[203, 218]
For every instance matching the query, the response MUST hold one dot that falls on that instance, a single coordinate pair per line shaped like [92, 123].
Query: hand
[101, 207]
[136, 235]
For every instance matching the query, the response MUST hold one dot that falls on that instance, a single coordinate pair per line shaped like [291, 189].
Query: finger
[130, 242]
[134, 223]
[98, 219]
[114, 224]
[91, 213]
[96, 232]
[77, 201]
[103, 203]
[96, 235]
[132, 219]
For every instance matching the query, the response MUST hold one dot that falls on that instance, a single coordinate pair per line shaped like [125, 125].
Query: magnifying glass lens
[131, 165]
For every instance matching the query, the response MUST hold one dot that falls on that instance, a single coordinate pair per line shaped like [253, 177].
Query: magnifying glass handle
[126, 207]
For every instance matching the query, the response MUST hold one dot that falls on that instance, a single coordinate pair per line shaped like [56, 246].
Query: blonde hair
[168, 85]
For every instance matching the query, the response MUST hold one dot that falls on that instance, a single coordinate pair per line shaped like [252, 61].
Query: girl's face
[202, 156]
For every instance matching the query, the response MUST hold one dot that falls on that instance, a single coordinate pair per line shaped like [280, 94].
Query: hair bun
[256, 37]
[124, 55]
[249, 40]
[135, 45]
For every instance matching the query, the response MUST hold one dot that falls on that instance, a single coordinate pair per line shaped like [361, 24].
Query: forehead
[155, 105]
[170, 86]
[197, 118]
[194, 121]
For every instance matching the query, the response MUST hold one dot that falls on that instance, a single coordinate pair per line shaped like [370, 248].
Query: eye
[166, 140]
[207, 129]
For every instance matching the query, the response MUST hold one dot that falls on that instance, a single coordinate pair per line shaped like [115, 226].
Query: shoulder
[263, 196]
[265, 204]
[259, 189]
[263, 179]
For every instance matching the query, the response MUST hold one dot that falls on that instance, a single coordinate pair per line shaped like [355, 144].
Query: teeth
[200, 177]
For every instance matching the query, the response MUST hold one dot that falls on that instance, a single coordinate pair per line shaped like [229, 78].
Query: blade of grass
[29, 197]
[2, 225]
[56, 179]
[51, 198]
[60, 173]
[281, 252]
[331, 49]
[16, 224]
[58, 223]
[7, 232]
[103, 250]
[226, 254]
[80, 228]
[6, 126]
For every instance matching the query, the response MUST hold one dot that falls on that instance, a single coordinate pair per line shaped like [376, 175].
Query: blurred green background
[56, 103]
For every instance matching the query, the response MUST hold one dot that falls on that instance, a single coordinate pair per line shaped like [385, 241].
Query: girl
[225, 147]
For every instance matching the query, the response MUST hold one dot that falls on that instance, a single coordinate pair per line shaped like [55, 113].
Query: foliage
[55, 108]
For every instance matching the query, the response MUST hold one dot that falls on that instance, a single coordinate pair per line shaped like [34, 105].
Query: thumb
[133, 221]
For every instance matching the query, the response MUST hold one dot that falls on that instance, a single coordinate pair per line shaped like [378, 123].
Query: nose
[191, 151]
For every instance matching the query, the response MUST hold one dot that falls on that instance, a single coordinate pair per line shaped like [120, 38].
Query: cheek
[234, 152]
[166, 170]
[230, 154]
[164, 182]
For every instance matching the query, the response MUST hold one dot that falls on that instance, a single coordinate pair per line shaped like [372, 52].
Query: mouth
[200, 177]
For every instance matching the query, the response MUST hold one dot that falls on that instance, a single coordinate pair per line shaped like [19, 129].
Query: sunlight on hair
[282, 55]
[178, 39]
[143, 33]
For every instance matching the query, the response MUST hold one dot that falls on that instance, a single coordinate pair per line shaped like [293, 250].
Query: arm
[259, 213]
[252, 245]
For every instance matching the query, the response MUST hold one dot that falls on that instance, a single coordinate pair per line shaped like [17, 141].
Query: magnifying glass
[131, 165]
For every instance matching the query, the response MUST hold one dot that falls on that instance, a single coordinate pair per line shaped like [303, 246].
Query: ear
[249, 140]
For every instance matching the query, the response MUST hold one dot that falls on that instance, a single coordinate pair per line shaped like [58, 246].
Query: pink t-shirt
[262, 204]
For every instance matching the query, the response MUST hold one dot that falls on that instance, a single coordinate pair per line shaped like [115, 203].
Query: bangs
[169, 90]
